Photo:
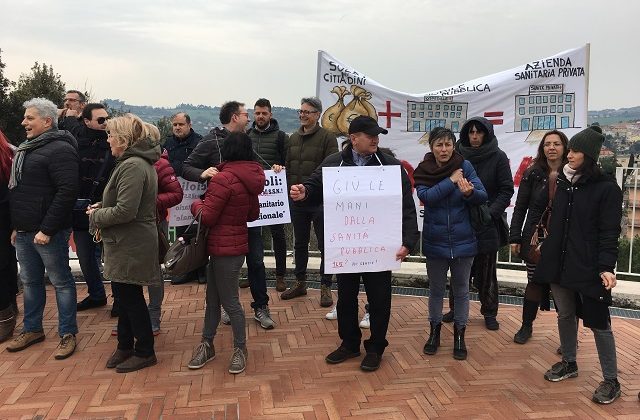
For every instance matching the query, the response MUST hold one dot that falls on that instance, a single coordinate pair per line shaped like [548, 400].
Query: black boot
[459, 348]
[7, 323]
[529, 312]
[448, 317]
[434, 340]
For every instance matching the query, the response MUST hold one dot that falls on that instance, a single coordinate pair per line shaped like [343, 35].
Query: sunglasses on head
[101, 120]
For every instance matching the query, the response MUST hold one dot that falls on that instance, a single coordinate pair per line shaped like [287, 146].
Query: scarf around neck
[478, 154]
[429, 173]
[571, 174]
[27, 145]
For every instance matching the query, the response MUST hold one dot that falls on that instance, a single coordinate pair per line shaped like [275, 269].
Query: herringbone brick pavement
[287, 377]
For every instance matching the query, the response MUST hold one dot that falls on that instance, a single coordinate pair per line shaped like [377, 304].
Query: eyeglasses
[101, 120]
[71, 99]
[305, 112]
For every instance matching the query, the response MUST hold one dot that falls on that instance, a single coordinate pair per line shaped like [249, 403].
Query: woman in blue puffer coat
[447, 185]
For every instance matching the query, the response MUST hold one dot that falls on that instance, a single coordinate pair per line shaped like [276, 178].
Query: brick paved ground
[287, 376]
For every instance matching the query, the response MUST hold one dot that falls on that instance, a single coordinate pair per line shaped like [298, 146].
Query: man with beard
[269, 145]
[96, 163]
[74, 103]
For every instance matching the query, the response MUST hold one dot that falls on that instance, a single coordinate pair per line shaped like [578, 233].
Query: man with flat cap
[363, 151]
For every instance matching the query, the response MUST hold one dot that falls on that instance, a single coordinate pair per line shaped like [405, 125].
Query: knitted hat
[588, 141]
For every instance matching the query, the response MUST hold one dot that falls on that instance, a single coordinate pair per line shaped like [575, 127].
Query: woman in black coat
[579, 257]
[537, 181]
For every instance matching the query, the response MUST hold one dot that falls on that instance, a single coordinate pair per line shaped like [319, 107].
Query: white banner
[274, 200]
[522, 103]
[362, 218]
[180, 215]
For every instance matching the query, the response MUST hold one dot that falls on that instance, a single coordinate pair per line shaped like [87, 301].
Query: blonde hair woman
[126, 221]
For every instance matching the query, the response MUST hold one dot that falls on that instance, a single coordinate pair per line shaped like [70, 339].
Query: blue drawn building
[545, 107]
[436, 111]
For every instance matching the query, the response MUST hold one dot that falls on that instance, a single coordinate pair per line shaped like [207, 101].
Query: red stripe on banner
[493, 114]
[496, 122]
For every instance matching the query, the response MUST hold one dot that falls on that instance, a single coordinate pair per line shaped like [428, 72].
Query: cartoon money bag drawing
[330, 116]
[359, 105]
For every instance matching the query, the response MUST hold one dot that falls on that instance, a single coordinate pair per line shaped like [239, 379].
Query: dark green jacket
[306, 151]
[127, 217]
[269, 145]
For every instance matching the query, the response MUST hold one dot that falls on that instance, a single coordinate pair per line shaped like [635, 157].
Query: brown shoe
[7, 323]
[298, 289]
[66, 347]
[136, 363]
[281, 286]
[118, 357]
[24, 340]
[243, 283]
[326, 299]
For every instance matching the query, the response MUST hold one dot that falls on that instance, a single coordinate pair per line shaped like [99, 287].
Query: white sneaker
[365, 321]
[333, 314]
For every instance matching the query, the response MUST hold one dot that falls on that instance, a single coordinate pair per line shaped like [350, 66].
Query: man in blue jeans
[43, 189]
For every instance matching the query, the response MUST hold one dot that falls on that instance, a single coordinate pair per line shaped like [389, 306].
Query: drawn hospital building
[545, 107]
[436, 111]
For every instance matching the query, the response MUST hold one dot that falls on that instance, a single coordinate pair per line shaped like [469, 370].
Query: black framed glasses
[101, 120]
[305, 112]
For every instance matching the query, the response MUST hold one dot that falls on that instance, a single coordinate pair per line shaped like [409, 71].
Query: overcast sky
[166, 52]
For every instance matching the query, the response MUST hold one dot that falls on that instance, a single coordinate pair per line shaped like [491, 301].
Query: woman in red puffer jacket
[230, 202]
[169, 195]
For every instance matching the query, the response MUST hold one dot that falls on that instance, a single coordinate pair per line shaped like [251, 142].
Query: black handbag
[189, 251]
[479, 216]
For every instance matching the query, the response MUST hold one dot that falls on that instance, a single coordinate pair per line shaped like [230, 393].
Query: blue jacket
[447, 231]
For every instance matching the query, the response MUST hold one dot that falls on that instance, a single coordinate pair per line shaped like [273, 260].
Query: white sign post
[274, 200]
[362, 218]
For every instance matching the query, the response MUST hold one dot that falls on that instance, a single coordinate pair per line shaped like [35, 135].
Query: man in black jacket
[363, 151]
[179, 146]
[44, 187]
[96, 163]
[181, 142]
[200, 166]
[478, 144]
[269, 143]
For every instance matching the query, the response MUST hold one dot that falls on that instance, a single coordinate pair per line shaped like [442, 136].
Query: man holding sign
[363, 152]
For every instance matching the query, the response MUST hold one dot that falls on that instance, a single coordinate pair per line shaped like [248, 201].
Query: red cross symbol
[389, 114]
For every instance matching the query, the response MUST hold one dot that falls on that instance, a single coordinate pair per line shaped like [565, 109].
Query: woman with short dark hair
[231, 200]
[447, 184]
[579, 257]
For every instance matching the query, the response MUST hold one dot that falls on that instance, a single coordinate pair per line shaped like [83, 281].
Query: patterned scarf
[27, 145]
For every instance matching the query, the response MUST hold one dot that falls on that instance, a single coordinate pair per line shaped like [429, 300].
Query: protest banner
[522, 104]
[362, 218]
[274, 200]
[180, 215]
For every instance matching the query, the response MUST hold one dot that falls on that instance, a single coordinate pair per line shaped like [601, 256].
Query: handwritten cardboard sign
[362, 218]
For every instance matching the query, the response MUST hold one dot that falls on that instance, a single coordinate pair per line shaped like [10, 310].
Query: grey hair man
[306, 150]
[44, 187]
